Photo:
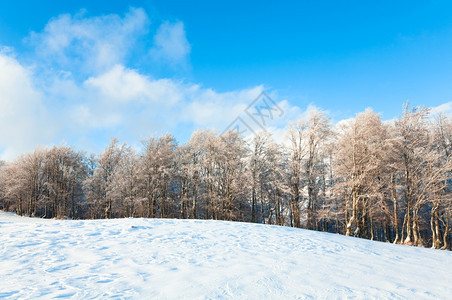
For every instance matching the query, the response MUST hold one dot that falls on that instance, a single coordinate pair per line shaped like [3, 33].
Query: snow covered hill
[191, 259]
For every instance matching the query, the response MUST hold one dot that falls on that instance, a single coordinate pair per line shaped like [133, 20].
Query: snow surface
[192, 259]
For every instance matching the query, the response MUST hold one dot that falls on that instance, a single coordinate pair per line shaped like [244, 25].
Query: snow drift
[192, 259]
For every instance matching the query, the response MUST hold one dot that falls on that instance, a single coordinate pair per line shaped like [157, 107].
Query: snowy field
[191, 259]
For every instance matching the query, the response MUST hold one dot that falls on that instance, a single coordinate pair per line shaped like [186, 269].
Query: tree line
[387, 181]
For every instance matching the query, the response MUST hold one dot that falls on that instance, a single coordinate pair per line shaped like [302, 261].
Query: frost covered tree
[2, 186]
[157, 166]
[318, 132]
[360, 150]
[229, 159]
[267, 180]
[23, 181]
[306, 165]
[99, 188]
[64, 172]
[388, 181]
[297, 153]
[411, 149]
[45, 183]
[257, 170]
[196, 174]
[441, 198]
[425, 170]
[126, 183]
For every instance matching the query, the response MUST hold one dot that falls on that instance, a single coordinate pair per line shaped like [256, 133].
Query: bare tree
[386, 181]
[3, 202]
[413, 157]
[64, 172]
[194, 174]
[441, 200]
[297, 153]
[99, 187]
[360, 149]
[230, 163]
[158, 163]
[318, 131]
[126, 183]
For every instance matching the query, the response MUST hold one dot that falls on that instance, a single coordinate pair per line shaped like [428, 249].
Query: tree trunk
[446, 233]
[395, 201]
[434, 226]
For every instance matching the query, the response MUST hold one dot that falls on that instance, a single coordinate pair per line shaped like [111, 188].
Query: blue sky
[82, 71]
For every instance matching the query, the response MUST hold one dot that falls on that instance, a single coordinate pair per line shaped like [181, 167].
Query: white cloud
[163, 104]
[445, 108]
[120, 102]
[81, 91]
[127, 85]
[210, 109]
[170, 43]
[89, 44]
[23, 118]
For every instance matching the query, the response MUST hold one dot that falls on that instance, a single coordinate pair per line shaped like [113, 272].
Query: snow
[193, 259]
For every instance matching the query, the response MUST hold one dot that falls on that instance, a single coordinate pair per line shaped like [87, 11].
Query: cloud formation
[445, 109]
[119, 102]
[21, 110]
[170, 43]
[89, 44]
[81, 89]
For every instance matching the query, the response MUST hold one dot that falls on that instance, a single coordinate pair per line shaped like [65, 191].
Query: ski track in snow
[193, 259]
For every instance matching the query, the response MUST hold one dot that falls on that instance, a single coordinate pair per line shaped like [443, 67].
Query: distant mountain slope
[174, 259]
